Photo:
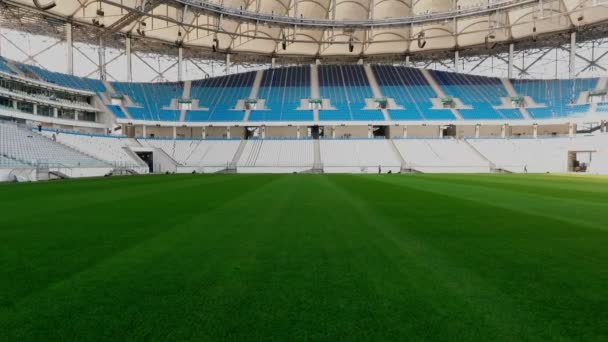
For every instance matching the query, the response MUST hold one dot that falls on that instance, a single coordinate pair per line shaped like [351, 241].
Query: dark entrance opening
[148, 158]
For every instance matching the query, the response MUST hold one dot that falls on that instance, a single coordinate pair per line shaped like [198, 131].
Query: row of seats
[4, 67]
[109, 149]
[346, 86]
[20, 147]
[558, 96]
[31, 148]
[410, 90]
[219, 96]
[283, 88]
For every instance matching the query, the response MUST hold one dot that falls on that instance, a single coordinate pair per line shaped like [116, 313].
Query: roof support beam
[129, 61]
[102, 59]
[510, 63]
[132, 16]
[70, 48]
[572, 73]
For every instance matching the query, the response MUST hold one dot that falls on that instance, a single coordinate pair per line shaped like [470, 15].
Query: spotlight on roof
[351, 47]
[45, 7]
[534, 34]
[216, 44]
[580, 18]
[421, 40]
[284, 42]
[100, 12]
[490, 41]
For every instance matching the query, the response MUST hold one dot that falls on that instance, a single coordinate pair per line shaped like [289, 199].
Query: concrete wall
[465, 131]
[490, 131]
[553, 129]
[353, 131]
[524, 131]
[283, 132]
[423, 131]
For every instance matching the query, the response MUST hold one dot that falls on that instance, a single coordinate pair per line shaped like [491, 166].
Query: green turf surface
[305, 257]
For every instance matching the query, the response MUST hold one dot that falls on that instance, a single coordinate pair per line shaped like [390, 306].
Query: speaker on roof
[44, 7]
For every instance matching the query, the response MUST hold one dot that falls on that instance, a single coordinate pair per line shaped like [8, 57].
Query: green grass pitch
[305, 257]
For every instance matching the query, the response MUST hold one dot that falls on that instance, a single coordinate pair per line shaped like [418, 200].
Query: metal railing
[278, 19]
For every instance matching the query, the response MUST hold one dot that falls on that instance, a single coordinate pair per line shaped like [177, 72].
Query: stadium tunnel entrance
[381, 132]
[148, 158]
[579, 161]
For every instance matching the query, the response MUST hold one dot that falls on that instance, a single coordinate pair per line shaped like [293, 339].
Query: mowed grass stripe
[490, 241]
[575, 209]
[82, 236]
[311, 257]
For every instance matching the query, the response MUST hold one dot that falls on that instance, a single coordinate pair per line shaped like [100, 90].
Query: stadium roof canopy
[317, 28]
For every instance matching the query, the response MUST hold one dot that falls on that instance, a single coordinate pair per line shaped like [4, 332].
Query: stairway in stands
[373, 83]
[438, 91]
[237, 156]
[318, 164]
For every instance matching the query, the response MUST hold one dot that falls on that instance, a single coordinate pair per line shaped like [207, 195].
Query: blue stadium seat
[557, 95]
[220, 95]
[117, 111]
[410, 90]
[283, 89]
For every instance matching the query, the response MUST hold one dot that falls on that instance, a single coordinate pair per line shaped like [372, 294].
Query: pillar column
[572, 54]
[180, 64]
[370, 132]
[70, 48]
[263, 128]
[571, 130]
[128, 54]
[456, 61]
[477, 129]
[272, 62]
[174, 132]
[405, 131]
[35, 109]
[227, 63]
[333, 131]
[503, 131]
[298, 132]
[440, 131]
[102, 59]
[535, 131]
[143, 130]
[407, 61]
[55, 111]
[228, 132]
[510, 67]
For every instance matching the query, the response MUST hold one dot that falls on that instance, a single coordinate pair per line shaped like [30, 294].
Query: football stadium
[303, 170]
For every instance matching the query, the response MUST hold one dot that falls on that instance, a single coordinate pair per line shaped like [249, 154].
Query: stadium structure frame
[515, 53]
